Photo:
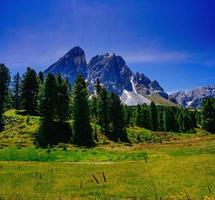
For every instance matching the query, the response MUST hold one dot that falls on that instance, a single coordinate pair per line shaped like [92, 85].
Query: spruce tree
[29, 91]
[63, 99]
[4, 84]
[154, 116]
[208, 115]
[146, 119]
[48, 106]
[117, 121]
[16, 91]
[41, 77]
[139, 117]
[82, 128]
[49, 99]
[104, 110]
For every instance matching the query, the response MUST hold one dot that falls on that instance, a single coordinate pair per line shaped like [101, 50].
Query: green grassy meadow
[155, 166]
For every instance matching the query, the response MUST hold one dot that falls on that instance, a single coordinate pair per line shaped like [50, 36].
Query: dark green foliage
[170, 122]
[143, 116]
[29, 92]
[94, 113]
[117, 124]
[103, 110]
[153, 116]
[49, 99]
[62, 107]
[53, 133]
[17, 91]
[82, 128]
[41, 77]
[54, 110]
[208, 115]
[4, 84]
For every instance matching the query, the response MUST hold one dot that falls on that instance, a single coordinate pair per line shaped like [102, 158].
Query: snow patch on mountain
[132, 98]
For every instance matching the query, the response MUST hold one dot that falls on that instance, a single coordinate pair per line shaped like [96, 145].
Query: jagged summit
[70, 65]
[113, 73]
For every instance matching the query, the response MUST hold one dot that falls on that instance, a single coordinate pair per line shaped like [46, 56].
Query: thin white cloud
[157, 57]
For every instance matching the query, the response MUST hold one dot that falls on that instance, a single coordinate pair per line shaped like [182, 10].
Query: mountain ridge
[194, 97]
[113, 73]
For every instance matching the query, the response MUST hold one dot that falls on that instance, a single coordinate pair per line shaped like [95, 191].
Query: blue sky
[170, 41]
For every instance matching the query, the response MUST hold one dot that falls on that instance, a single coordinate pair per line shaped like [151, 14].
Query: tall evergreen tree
[41, 77]
[208, 115]
[82, 128]
[48, 111]
[63, 99]
[103, 110]
[4, 84]
[49, 99]
[139, 117]
[16, 91]
[146, 118]
[117, 121]
[154, 116]
[29, 92]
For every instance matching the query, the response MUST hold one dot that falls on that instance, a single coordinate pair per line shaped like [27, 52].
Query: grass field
[157, 166]
[180, 169]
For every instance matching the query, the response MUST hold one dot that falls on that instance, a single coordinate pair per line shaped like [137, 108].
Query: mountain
[70, 65]
[193, 98]
[113, 73]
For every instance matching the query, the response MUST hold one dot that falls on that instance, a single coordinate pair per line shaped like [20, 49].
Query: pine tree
[154, 116]
[41, 77]
[4, 84]
[103, 110]
[208, 115]
[63, 100]
[29, 91]
[117, 121]
[48, 111]
[49, 99]
[16, 91]
[139, 116]
[160, 119]
[94, 113]
[82, 128]
[146, 119]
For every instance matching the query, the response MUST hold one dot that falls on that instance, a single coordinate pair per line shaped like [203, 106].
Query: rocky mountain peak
[111, 70]
[70, 65]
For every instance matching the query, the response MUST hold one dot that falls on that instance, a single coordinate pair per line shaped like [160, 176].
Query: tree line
[70, 114]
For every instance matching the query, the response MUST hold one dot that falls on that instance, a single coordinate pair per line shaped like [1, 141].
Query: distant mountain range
[116, 76]
[193, 98]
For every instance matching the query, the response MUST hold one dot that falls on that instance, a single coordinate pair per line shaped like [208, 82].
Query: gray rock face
[70, 65]
[144, 85]
[193, 98]
[112, 72]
